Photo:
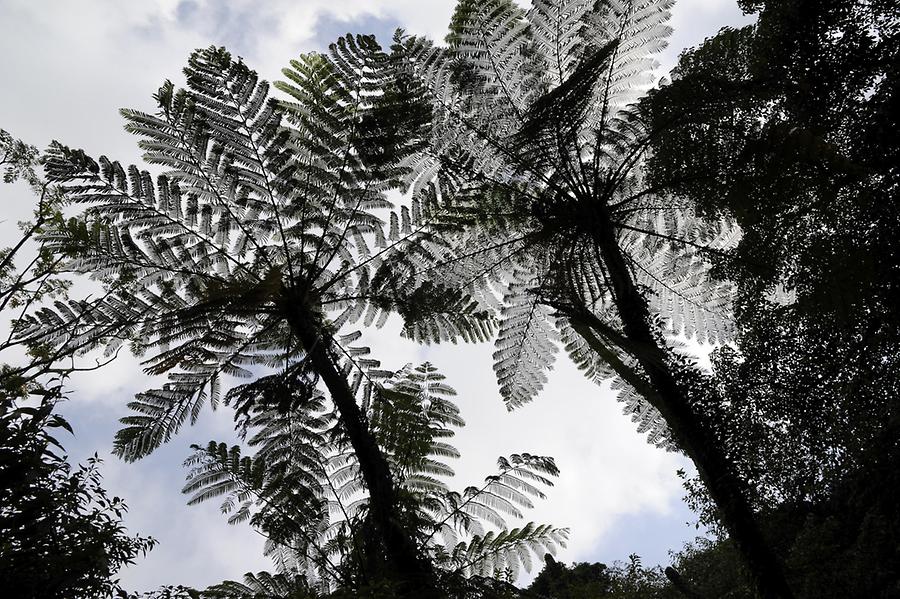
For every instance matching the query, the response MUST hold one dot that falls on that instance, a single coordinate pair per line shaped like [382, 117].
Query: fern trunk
[688, 431]
[415, 574]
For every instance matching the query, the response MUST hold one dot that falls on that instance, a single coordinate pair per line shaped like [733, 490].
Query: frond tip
[508, 550]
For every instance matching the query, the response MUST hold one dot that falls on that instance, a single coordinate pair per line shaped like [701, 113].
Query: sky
[66, 69]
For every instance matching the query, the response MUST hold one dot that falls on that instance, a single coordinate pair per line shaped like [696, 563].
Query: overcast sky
[65, 69]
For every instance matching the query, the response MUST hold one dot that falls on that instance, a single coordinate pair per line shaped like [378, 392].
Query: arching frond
[596, 366]
[513, 550]
[491, 44]
[641, 28]
[558, 28]
[263, 585]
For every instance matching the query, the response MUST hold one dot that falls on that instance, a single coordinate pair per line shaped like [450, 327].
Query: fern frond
[262, 585]
[492, 554]
[491, 43]
[526, 344]
[641, 30]
[558, 29]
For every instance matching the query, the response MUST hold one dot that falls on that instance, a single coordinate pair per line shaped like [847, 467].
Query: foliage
[302, 489]
[628, 580]
[843, 546]
[580, 580]
[22, 288]
[790, 141]
[532, 133]
[61, 535]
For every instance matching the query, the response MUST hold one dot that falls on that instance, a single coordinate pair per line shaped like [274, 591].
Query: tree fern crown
[536, 140]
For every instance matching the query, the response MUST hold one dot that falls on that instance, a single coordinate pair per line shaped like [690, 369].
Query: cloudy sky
[67, 67]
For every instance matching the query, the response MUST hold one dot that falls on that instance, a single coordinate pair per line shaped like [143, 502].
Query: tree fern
[521, 158]
[251, 250]
[302, 488]
[550, 152]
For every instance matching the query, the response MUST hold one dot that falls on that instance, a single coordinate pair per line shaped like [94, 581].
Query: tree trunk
[415, 574]
[689, 434]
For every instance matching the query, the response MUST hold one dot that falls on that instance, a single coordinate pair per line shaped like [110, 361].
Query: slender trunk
[689, 433]
[415, 574]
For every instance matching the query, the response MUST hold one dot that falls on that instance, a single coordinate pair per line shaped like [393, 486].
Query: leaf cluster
[62, 535]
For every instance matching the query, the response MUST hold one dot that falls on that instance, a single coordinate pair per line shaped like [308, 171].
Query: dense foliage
[793, 141]
[796, 139]
[61, 535]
